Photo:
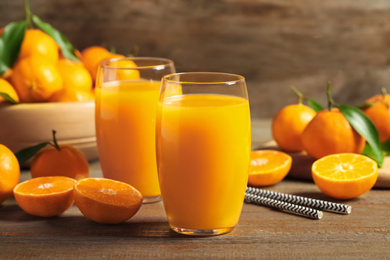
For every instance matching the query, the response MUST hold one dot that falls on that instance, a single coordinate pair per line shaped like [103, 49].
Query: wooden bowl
[25, 125]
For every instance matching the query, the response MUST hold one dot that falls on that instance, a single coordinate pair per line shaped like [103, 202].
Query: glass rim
[238, 78]
[164, 62]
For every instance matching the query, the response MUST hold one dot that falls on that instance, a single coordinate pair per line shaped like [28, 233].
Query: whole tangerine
[379, 114]
[126, 69]
[288, 126]
[329, 132]
[91, 58]
[39, 44]
[35, 79]
[9, 172]
[74, 75]
[60, 160]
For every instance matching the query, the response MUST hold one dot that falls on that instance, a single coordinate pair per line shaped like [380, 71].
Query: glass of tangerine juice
[203, 140]
[127, 92]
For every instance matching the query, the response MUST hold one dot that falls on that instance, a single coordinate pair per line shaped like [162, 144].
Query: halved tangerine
[45, 196]
[106, 201]
[345, 175]
[268, 167]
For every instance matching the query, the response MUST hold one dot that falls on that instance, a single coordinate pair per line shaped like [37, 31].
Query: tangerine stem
[384, 93]
[134, 51]
[55, 140]
[299, 94]
[331, 102]
[113, 50]
[29, 22]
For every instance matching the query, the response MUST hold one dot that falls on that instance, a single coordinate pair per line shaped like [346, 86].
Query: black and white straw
[284, 206]
[307, 202]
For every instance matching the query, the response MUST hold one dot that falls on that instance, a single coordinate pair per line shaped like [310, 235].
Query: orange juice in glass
[203, 138]
[127, 93]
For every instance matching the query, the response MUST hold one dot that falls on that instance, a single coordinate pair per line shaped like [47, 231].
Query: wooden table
[262, 232]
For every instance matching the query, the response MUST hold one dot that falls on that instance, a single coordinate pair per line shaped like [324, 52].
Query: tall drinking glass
[203, 138]
[127, 93]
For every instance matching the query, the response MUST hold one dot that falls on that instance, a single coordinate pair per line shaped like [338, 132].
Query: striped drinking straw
[307, 202]
[284, 206]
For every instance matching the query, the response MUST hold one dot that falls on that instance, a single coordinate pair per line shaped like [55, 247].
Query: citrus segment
[345, 176]
[45, 196]
[106, 201]
[9, 173]
[268, 167]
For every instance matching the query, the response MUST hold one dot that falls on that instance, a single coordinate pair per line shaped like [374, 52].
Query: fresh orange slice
[345, 175]
[106, 201]
[45, 196]
[268, 167]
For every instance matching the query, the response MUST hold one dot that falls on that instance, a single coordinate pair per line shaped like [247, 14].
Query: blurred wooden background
[273, 43]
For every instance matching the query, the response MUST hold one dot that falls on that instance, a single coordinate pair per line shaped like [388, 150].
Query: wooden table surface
[262, 232]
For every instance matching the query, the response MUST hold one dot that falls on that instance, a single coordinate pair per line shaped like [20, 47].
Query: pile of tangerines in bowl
[42, 74]
[43, 90]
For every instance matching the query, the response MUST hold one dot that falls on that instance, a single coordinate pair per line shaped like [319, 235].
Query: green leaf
[365, 106]
[10, 43]
[368, 151]
[386, 147]
[65, 45]
[8, 98]
[314, 105]
[25, 154]
[365, 128]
